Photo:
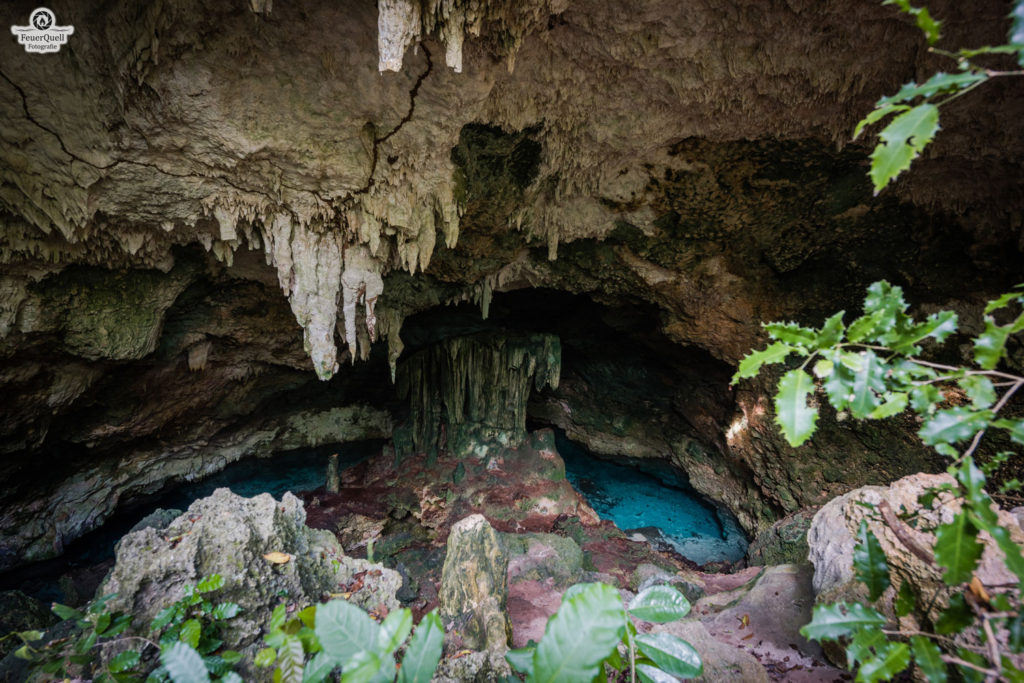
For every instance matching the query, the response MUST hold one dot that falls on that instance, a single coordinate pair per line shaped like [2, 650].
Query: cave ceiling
[255, 192]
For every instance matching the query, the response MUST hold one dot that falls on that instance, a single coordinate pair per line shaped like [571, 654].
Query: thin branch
[950, 659]
[903, 533]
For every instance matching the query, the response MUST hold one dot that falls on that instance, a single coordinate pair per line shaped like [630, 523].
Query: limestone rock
[20, 612]
[722, 663]
[832, 539]
[548, 558]
[784, 542]
[229, 535]
[158, 519]
[474, 585]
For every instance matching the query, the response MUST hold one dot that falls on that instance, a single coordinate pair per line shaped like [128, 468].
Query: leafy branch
[915, 107]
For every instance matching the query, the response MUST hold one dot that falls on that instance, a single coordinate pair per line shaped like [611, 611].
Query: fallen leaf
[979, 590]
[747, 637]
[278, 557]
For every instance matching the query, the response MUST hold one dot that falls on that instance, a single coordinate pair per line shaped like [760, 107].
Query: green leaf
[129, 659]
[894, 405]
[938, 84]
[953, 425]
[928, 658]
[225, 610]
[231, 677]
[65, 612]
[980, 390]
[868, 382]
[424, 651]
[923, 19]
[957, 549]
[582, 633]
[318, 668]
[1015, 427]
[830, 622]
[660, 604]
[184, 664]
[869, 562]
[102, 623]
[671, 653]
[520, 660]
[1005, 300]
[865, 642]
[831, 332]
[938, 326]
[278, 617]
[1016, 37]
[990, 345]
[902, 141]
[210, 583]
[344, 630]
[905, 599]
[395, 628]
[863, 326]
[290, 660]
[956, 617]
[795, 418]
[266, 657]
[791, 333]
[362, 668]
[878, 113]
[652, 674]
[164, 617]
[891, 660]
[190, 632]
[752, 362]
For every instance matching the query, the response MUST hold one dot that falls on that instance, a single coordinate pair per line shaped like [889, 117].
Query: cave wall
[204, 207]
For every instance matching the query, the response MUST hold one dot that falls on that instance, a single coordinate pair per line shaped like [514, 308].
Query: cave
[495, 255]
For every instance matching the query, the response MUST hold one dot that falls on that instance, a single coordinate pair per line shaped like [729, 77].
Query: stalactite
[474, 389]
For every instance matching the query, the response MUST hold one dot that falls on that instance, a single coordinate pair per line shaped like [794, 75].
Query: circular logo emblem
[42, 19]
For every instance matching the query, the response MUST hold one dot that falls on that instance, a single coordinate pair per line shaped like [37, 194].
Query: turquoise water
[637, 500]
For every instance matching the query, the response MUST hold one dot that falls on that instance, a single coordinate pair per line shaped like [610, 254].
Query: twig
[902, 532]
[950, 659]
[993, 646]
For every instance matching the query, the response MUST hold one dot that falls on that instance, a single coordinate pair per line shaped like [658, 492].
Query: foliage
[584, 636]
[311, 644]
[870, 369]
[915, 107]
[192, 623]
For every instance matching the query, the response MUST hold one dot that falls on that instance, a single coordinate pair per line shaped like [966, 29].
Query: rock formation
[207, 210]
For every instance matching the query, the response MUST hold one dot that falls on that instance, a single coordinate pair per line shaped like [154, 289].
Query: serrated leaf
[164, 617]
[659, 604]
[584, 630]
[894, 404]
[928, 658]
[863, 326]
[752, 362]
[795, 418]
[791, 333]
[868, 382]
[1014, 426]
[830, 622]
[869, 562]
[882, 109]
[939, 83]
[938, 326]
[1004, 300]
[823, 368]
[891, 660]
[863, 644]
[839, 384]
[902, 141]
[979, 389]
[990, 345]
[953, 425]
[184, 664]
[924, 398]
[671, 653]
[957, 549]
[1016, 37]
[210, 583]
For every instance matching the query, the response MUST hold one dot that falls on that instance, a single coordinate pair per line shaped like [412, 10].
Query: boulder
[784, 542]
[230, 535]
[548, 558]
[474, 585]
[722, 663]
